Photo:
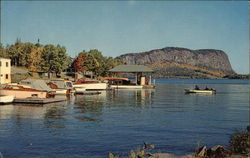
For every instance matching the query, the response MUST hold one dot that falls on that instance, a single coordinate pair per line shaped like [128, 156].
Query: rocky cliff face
[203, 60]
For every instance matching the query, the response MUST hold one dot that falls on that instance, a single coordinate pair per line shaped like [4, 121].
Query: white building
[5, 71]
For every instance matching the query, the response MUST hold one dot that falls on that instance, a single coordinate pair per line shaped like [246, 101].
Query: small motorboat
[5, 99]
[81, 85]
[210, 91]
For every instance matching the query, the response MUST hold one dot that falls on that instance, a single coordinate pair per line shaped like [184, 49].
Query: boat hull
[91, 86]
[5, 99]
[61, 91]
[19, 92]
[127, 86]
[80, 89]
[200, 91]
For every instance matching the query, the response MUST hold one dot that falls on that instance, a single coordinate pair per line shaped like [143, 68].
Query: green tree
[15, 52]
[19, 53]
[62, 59]
[93, 58]
[26, 49]
[108, 64]
[54, 59]
[94, 61]
[3, 52]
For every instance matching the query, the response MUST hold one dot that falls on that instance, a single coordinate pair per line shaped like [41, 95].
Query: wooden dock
[38, 100]
[88, 93]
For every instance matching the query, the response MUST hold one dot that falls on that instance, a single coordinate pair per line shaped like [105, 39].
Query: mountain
[182, 62]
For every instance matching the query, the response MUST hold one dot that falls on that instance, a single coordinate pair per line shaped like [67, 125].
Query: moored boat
[59, 86]
[89, 85]
[79, 90]
[37, 84]
[63, 87]
[5, 99]
[21, 92]
[127, 86]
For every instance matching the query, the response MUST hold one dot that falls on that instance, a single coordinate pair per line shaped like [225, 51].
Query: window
[6, 76]
[69, 84]
[7, 64]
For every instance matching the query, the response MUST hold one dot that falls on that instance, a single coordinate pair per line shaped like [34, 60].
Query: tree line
[54, 58]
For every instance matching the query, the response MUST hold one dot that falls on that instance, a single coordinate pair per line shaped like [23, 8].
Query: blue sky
[119, 27]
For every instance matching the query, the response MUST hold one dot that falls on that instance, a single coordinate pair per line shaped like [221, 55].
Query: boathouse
[5, 71]
[142, 74]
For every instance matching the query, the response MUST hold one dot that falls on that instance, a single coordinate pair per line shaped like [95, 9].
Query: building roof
[131, 68]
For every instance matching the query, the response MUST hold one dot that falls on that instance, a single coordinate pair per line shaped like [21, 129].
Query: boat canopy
[36, 84]
[130, 69]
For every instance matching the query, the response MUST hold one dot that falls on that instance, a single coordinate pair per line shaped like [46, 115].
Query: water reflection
[79, 104]
[54, 118]
[133, 98]
[92, 125]
[23, 111]
[85, 118]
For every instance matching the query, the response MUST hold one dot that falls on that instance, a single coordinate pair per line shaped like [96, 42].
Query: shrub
[240, 142]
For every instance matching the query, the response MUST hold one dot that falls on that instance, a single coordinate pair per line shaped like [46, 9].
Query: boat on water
[19, 91]
[81, 86]
[200, 91]
[79, 90]
[127, 86]
[37, 84]
[62, 87]
[5, 99]
[58, 86]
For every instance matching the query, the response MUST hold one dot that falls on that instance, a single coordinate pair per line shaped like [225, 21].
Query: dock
[88, 93]
[38, 100]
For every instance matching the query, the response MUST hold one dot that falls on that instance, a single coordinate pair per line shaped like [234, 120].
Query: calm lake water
[121, 120]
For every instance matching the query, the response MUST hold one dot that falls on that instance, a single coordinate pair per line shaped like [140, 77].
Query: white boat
[62, 87]
[89, 85]
[61, 91]
[200, 91]
[126, 86]
[79, 89]
[5, 99]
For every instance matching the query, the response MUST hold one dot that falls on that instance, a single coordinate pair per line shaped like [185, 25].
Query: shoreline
[168, 155]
